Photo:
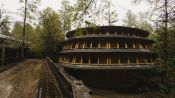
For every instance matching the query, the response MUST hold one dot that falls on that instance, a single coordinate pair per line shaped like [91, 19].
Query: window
[132, 59]
[123, 59]
[85, 59]
[114, 60]
[95, 44]
[94, 60]
[122, 44]
[130, 45]
[88, 44]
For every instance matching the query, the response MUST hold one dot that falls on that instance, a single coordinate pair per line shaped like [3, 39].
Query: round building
[107, 56]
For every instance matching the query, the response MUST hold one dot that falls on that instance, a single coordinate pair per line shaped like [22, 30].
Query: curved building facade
[97, 50]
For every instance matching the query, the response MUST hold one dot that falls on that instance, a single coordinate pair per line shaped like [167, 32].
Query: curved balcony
[97, 50]
[108, 67]
[108, 43]
[105, 61]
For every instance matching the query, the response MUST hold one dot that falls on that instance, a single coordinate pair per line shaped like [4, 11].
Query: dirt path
[21, 81]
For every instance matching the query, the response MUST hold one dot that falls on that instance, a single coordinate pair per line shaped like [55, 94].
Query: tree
[110, 15]
[5, 26]
[36, 42]
[52, 32]
[164, 10]
[17, 30]
[28, 8]
[4, 23]
[130, 20]
[83, 10]
[66, 15]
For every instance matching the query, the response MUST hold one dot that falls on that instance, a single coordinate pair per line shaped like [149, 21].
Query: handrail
[70, 87]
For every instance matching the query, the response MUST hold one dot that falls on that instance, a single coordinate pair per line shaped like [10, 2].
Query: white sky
[121, 6]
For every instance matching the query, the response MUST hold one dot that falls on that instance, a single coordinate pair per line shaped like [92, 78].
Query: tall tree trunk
[165, 42]
[24, 30]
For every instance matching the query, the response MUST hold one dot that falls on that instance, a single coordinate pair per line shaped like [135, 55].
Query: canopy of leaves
[52, 33]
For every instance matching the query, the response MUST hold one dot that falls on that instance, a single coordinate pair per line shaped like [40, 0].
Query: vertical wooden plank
[81, 60]
[119, 60]
[89, 60]
[99, 44]
[129, 60]
[84, 45]
[134, 45]
[126, 46]
[137, 61]
[118, 45]
[91, 45]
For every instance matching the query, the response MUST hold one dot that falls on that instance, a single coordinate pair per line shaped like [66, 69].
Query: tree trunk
[24, 30]
[165, 42]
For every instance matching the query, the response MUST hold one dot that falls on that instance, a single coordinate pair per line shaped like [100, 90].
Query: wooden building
[9, 49]
[112, 50]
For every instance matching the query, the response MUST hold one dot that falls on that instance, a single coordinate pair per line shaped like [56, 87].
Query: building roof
[110, 29]
[2, 36]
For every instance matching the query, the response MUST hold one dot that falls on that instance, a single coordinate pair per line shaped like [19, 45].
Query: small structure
[107, 53]
[7, 53]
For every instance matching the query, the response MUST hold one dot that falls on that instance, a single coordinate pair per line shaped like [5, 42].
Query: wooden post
[75, 60]
[109, 60]
[126, 46]
[137, 61]
[118, 45]
[89, 60]
[99, 44]
[128, 60]
[3, 52]
[77, 44]
[134, 45]
[81, 60]
[140, 45]
[119, 60]
[91, 45]
[84, 45]
[146, 61]
[109, 44]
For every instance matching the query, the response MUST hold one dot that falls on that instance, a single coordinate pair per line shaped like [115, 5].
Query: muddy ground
[20, 81]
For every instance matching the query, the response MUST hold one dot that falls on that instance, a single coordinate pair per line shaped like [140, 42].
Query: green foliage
[132, 20]
[79, 32]
[5, 26]
[32, 6]
[52, 33]
[66, 15]
[18, 28]
[166, 70]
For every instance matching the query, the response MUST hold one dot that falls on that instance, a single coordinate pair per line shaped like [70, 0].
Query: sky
[121, 6]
